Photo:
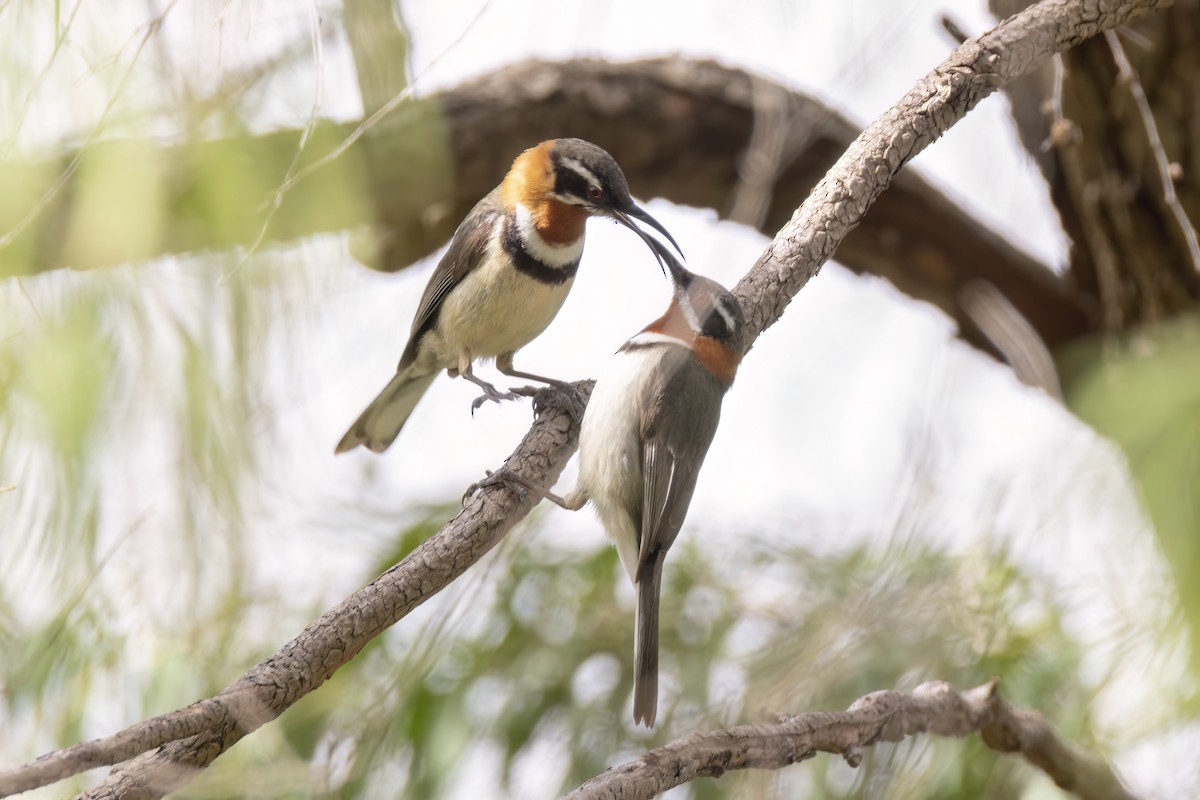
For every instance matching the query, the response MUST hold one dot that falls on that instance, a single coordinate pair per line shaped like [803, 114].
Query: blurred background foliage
[1143, 392]
[528, 666]
[147, 421]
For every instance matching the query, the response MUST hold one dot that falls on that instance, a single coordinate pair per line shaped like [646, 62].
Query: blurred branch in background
[379, 45]
[679, 128]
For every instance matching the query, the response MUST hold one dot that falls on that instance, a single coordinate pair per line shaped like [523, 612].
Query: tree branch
[972, 72]
[834, 208]
[886, 716]
[193, 737]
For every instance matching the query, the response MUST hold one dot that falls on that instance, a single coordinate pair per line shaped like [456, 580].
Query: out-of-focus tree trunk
[1129, 250]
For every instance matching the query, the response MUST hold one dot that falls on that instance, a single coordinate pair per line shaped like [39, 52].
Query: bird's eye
[595, 193]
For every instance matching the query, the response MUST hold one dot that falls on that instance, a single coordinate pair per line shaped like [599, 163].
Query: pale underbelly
[491, 315]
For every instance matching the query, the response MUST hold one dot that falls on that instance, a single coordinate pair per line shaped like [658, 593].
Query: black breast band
[525, 261]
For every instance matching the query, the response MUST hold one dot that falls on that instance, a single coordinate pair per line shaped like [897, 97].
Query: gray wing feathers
[658, 472]
[680, 415]
[379, 425]
[464, 254]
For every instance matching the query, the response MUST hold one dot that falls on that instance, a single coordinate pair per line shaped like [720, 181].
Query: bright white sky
[830, 406]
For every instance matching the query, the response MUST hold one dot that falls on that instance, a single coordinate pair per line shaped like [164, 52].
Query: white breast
[496, 309]
[610, 466]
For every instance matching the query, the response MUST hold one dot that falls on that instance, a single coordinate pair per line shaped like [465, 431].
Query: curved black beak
[640, 214]
[666, 259]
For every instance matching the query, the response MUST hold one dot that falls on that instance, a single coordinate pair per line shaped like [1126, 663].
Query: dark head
[706, 317]
[583, 176]
[711, 310]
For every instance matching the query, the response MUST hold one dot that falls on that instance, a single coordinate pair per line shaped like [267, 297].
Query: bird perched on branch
[507, 271]
[647, 428]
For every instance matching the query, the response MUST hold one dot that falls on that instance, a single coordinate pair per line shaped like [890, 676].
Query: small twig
[1063, 131]
[1064, 134]
[1017, 340]
[935, 707]
[1128, 77]
[61, 34]
[950, 26]
[1135, 37]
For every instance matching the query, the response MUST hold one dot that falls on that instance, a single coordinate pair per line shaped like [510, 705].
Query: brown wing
[680, 417]
[465, 253]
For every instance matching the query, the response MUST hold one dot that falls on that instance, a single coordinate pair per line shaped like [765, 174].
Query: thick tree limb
[834, 208]
[885, 716]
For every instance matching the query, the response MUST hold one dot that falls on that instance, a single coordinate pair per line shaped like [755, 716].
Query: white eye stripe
[730, 323]
[685, 304]
[581, 170]
[651, 337]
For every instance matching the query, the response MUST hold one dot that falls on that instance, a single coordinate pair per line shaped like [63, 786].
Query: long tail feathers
[379, 425]
[645, 648]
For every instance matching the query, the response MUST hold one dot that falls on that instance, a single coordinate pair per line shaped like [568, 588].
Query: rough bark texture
[1129, 250]
[884, 716]
[834, 208]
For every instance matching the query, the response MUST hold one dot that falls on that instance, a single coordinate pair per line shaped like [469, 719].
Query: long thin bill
[666, 259]
[640, 214]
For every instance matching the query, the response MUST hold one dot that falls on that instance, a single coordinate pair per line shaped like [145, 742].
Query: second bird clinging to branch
[647, 428]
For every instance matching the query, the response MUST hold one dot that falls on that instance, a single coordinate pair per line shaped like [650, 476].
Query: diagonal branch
[834, 208]
[194, 736]
[934, 707]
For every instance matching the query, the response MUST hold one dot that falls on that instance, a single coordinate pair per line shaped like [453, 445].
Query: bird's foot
[492, 394]
[568, 397]
[501, 477]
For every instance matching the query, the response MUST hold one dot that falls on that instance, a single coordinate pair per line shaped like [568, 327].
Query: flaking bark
[885, 716]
